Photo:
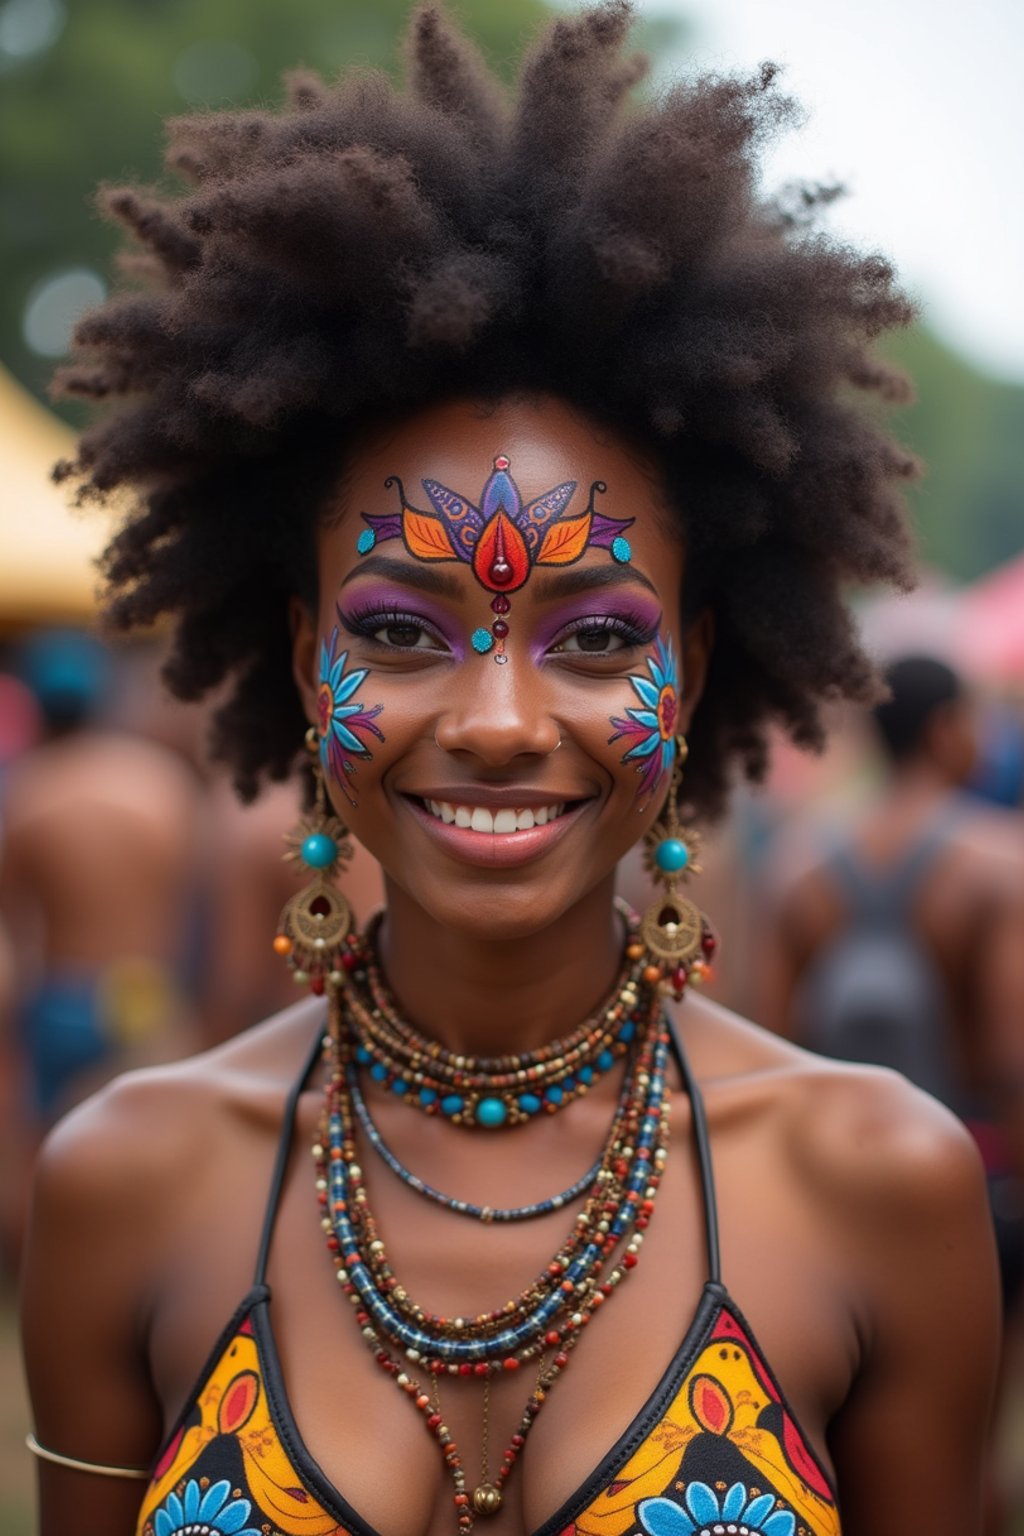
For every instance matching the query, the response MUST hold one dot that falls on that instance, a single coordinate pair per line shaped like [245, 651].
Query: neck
[492, 997]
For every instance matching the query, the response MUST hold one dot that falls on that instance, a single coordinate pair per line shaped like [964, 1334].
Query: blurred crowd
[871, 902]
[138, 898]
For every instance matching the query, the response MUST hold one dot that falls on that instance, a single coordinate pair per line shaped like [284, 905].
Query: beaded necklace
[544, 1323]
[490, 1091]
[486, 1213]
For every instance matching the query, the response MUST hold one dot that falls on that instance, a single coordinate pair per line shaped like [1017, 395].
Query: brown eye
[406, 636]
[592, 642]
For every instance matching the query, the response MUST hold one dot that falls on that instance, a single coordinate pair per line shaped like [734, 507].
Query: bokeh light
[28, 27]
[54, 306]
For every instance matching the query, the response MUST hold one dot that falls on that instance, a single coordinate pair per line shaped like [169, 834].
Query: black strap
[284, 1148]
[703, 1144]
[700, 1136]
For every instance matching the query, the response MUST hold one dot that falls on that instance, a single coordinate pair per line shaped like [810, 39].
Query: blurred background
[131, 934]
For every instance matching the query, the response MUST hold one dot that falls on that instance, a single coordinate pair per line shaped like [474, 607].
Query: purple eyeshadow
[371, 599]
[631, 607]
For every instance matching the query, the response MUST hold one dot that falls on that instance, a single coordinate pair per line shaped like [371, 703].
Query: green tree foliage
[89, 107]
[968, 429]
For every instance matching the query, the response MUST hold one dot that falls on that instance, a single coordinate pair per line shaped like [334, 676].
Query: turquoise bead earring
[314, 934]
[676, 934]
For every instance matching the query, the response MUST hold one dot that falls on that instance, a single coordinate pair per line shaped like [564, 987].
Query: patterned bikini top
[715, 1448]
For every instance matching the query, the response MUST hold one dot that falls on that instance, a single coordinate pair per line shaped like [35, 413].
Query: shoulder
[155, 1131]
[991, 840]
[868, 1149]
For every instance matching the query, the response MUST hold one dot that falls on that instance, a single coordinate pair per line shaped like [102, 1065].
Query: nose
[497, 714]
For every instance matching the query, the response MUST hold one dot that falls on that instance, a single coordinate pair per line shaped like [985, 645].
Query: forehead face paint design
[501, 540]
[339, 719]
[651, 729]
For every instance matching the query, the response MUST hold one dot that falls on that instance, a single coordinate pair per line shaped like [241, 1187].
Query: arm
[84, 1286]
[910, 1444]
[1001, 1005]
[784, 947]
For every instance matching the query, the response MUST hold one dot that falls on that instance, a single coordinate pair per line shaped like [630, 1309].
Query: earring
[314, 933]
[678, 937]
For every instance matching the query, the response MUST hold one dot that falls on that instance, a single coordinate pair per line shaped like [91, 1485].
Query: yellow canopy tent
[47, 549]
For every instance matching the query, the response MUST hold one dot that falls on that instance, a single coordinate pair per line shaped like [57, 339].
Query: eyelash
[367, 624]
[633, 629]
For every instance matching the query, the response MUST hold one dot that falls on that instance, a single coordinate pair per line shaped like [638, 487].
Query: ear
[305, 655]
[698, 638]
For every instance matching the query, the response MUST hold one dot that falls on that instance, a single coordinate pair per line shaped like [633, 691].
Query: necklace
[544, 1324]
[485, 1213]
[489, 1091]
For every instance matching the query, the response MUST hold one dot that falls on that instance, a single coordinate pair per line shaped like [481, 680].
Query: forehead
[544, 447]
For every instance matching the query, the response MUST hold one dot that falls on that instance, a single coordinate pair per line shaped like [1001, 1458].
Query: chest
[365, 1434]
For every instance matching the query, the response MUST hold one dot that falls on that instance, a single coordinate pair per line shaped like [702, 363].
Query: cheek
[349, 718]
[643, 732]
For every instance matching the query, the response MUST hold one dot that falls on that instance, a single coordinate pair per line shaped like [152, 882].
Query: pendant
[486, 1499]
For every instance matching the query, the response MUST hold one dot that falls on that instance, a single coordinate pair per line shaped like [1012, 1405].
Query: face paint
[338, 720]
[651, 730]
[502, 540]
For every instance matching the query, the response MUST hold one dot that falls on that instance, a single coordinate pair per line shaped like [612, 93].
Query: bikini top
[714, 1449]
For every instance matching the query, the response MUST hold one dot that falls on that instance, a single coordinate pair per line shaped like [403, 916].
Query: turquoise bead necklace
[488, 1092]
[544, 1324]
[486, 1213]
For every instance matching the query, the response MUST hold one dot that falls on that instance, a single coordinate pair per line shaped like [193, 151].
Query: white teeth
[480, 819]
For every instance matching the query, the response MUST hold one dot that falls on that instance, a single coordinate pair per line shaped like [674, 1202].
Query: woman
[503, 453]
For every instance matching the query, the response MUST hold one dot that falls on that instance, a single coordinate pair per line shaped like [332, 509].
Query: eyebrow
[566, 583]
[425, 577]
[588, 579]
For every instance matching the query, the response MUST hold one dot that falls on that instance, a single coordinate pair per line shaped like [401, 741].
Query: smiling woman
[507, 454]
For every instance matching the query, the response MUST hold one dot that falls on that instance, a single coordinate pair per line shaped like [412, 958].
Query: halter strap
[702, 1141]
[700, 1135]
[284, 1147]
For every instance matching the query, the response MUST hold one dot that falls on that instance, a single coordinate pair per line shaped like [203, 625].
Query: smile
[477, 818]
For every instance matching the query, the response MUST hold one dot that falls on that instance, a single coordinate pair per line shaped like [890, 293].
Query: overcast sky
[916, 105]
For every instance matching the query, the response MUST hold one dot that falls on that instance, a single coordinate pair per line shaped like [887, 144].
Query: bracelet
[83, 1466]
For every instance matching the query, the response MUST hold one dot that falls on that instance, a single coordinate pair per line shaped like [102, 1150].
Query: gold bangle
[83, 1466]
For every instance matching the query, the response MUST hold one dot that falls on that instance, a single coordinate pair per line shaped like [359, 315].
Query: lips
[496, 835]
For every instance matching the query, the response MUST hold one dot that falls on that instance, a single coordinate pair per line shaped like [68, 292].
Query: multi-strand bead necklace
[488, 1091]
[542, 1326]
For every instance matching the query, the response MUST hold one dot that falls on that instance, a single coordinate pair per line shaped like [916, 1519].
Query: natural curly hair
[367, 251]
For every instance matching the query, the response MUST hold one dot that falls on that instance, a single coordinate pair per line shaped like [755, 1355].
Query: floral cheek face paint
[651, 728]
[343, 722]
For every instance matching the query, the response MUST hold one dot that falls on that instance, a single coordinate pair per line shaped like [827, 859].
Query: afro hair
[368, 251]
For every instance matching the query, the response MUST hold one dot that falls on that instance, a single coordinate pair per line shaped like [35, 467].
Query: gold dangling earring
[314, 933]
[677, 935]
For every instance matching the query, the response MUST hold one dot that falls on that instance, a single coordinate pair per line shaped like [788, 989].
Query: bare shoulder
[152, 1130]
[861, 1140]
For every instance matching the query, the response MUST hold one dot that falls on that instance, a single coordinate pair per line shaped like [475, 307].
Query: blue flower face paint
[340, 722]
[502, 540]
[651, 729]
